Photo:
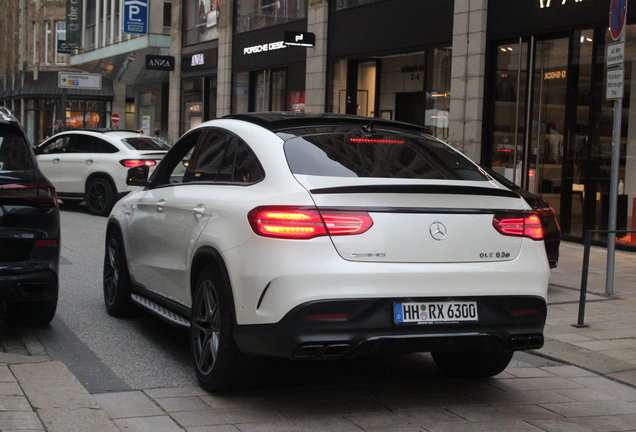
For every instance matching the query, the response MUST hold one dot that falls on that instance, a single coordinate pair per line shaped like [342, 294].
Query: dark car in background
[29, 230]
[551, 228]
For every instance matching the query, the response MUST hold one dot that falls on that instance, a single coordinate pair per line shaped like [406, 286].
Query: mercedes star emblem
[438, 231]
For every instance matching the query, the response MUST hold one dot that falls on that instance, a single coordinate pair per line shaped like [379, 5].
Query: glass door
[549, 87]
[509, 109]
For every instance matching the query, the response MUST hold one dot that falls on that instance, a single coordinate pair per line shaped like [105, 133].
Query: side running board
[161, 311]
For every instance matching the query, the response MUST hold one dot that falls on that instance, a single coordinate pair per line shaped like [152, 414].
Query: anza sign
[157, 62]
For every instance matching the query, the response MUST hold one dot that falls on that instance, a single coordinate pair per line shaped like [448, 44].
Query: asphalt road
[109, 354]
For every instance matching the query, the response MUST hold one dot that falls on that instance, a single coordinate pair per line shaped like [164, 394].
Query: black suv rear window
[14, 151]
[378, 156]
[145, 144]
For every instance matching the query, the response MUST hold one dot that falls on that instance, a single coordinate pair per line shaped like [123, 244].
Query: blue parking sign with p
[135, 16]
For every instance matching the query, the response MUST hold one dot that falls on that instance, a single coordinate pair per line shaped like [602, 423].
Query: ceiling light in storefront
[589, 39]
[509, 48]
[503, 49]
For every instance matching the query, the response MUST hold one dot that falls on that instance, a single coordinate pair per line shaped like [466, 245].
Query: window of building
[263, 90]
[255, 14]
[201, 19]
[47, 44]
[60, 36]
[89, 36]
[35, 42]
[167, 13]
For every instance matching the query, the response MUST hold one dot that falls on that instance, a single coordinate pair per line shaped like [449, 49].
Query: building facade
[32, 54]
[515, 85]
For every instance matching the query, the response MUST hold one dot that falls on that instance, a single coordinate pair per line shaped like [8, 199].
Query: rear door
[428, 203]
[78, 162]
[49, 155]
[18, 199]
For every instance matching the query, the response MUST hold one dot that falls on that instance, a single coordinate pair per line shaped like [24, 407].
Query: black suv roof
[276, 121]
[6, 116]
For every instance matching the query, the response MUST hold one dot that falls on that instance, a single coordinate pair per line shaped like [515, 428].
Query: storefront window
[338, 87]
[201, 19]
[241, 93]
[45, 116]
[192, 96]
[255, 14]
[438, 91]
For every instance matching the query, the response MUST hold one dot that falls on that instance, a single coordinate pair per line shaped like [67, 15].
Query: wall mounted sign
[301, 39]
[135, 17]
[197, 60]
[264, 48]
[158, 62]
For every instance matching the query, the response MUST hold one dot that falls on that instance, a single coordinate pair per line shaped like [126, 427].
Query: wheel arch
[210, 256]
[103, 175]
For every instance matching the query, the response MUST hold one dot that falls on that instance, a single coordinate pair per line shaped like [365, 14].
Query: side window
[106, 147]
[247, 169]
[83, 144]
[207, 158]
[173, 167]
[59, 145]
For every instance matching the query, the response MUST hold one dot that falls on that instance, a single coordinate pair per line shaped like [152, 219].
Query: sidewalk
[38, 393]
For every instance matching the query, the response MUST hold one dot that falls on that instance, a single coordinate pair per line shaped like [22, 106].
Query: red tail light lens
[519, 225]
[300, 223]
[34, 194]
[132, 163]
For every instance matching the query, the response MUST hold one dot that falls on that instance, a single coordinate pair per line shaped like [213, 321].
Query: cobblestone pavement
[584, 379]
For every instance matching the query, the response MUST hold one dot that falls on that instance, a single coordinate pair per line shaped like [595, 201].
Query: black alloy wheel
[100, 197]
[117, 279]
[216, 357]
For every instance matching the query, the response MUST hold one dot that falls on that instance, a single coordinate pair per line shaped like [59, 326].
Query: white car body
[167, 229]
[71, 169]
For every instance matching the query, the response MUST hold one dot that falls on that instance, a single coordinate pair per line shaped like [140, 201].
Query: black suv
[29, 230]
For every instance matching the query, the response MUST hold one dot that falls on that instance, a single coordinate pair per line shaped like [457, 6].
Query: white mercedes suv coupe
[325, 236]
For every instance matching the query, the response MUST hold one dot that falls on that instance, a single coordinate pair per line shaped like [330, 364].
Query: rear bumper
[505, 323]
[20, 285]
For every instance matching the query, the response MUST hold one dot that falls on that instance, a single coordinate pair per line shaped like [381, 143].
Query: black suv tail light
[40, 194]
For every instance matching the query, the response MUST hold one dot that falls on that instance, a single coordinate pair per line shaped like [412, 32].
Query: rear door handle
[199, 210]
[56, 160]
[89, 161]
[160, 204]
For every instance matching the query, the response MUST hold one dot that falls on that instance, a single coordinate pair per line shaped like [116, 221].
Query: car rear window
[14, 151]
[378, 156]
[145, 144]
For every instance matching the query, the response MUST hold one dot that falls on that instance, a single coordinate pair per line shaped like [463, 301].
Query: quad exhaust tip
[332, 350]
[526, 342]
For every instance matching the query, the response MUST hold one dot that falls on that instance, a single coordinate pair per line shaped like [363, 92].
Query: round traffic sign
[618, 13]
[114, 118]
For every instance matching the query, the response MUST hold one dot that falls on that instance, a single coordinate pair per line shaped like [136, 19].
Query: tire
[217, 360]
[117, 287]
[472, 364]
[100, 197]
[33, 313]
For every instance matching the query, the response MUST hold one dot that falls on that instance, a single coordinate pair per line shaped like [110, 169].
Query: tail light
[34, 194]
[519, 225]
[133, 163]
[301, 223]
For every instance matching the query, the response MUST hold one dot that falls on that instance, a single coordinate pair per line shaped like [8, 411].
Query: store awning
[125, 61]
[47, 86]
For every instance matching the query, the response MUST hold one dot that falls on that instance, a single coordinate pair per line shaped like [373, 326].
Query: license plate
[435, 312]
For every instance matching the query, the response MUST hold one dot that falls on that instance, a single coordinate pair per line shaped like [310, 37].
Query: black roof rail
[275, 121]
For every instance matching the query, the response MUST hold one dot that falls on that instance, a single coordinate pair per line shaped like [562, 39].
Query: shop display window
[255, 14]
